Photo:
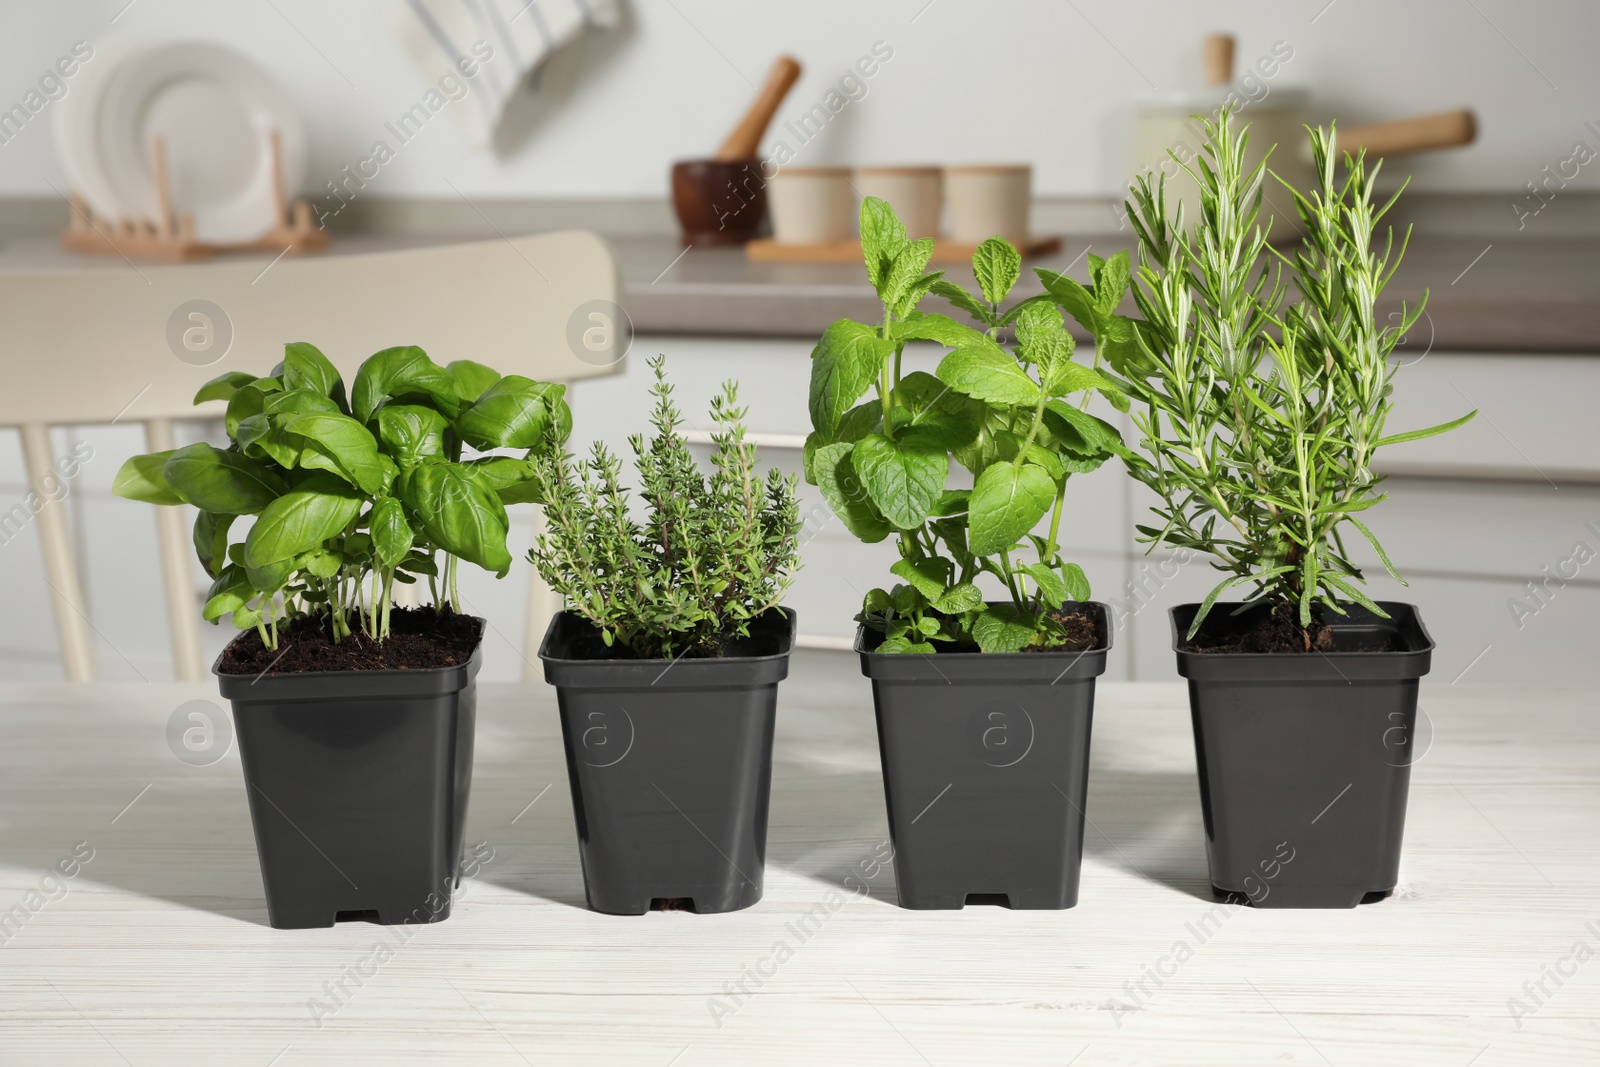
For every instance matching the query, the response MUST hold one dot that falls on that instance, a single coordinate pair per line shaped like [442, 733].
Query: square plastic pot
[1305, 759]
[358, 784]
[670, 763]
[985, 770]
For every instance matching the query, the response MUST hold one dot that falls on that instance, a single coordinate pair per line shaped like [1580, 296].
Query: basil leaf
[300, 520]
[305, 367]
[515, 412]
[396, 373]
[343, 446]
[210, 540]
[140, 478]
[228, 593]
[223, 386]
[472, 379]
[411, 433]
[458, 514]
[513, 480]
[227, 483]
[391, 533]
[298, 402]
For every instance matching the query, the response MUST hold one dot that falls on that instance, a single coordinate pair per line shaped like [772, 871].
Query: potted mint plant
[984, 701]
[355, 719]
[667, 659]
[1259, 419]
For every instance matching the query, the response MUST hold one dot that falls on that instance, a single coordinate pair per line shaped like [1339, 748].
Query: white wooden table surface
[158, 952]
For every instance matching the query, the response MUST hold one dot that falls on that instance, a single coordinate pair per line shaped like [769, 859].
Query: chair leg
[173, 542]
[543, 605]
[60, 569]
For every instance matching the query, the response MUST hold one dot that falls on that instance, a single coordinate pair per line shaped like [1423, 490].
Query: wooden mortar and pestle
[723, 200]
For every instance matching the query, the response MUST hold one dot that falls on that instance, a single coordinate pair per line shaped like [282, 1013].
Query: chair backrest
[122, 343]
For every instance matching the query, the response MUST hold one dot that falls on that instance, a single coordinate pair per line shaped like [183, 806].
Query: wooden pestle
[745, 140]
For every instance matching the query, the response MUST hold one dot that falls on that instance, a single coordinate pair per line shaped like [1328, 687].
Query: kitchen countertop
[1512, 294]
[159, 952]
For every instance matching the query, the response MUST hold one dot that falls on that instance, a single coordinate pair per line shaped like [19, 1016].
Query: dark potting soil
[766, 639]
[419, 639]
[1084, 632]
[1280, 631]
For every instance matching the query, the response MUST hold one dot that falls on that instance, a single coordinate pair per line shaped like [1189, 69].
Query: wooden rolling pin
[1447, 129]
[745, 140]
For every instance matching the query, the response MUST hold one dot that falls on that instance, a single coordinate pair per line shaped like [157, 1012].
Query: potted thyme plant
[355, 719]
[1259, 419]
[983, 705]
[667, 659]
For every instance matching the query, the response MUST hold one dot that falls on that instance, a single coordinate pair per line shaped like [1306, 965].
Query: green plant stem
[1033, 430]
[1055, 524]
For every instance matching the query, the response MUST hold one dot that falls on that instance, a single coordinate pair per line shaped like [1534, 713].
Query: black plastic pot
[670, 763]
[358, 784]
[985, 770]
[1305, 759]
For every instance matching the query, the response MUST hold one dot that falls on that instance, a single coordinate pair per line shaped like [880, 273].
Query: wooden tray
[766, 250]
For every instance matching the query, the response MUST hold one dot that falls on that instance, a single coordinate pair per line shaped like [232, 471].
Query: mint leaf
[1006, 503]
[963, 300]
[986, 372]
[843, 365]
[1001, 628]
[1074, 299]
[927, 576]
[845, 493]
[997, 265]
[904, 478]
[882, 238]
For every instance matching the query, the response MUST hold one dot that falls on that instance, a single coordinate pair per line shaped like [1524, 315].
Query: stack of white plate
[216, 110]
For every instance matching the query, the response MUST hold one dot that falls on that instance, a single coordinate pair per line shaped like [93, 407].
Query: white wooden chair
[85, 345]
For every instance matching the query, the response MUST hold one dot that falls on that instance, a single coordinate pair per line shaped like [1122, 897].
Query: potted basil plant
[667, 659]
[1260, 419]
[355, 719]
[983, 702]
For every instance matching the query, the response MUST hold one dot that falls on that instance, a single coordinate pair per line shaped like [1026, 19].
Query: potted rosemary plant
[983, 704]
[1259, 419]
[355, 719]
[667, 659]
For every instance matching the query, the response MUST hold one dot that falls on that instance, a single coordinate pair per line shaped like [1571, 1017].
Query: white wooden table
[158, 952]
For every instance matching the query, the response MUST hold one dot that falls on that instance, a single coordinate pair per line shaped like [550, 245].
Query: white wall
[1049, 82]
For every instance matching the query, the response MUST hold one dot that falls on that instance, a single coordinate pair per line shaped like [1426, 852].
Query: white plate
[215, 109]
